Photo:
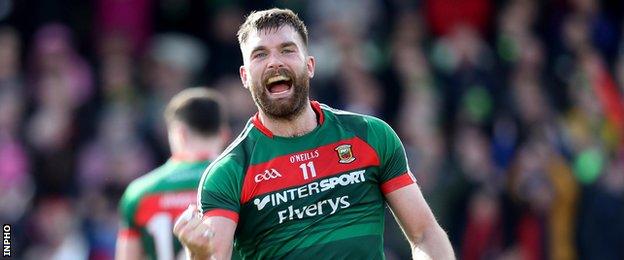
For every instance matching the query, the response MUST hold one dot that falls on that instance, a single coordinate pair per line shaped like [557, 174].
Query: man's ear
[243, 75]
[311, 64]
[183, 133]
[177, 134]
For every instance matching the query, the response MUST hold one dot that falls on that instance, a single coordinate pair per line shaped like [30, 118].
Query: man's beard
[283, 109]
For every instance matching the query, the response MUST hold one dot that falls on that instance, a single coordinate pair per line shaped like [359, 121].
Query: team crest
[344, 153]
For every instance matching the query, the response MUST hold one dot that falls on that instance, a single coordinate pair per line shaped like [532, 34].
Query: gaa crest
[344, 153]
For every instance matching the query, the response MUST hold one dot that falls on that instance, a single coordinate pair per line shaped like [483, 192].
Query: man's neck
[198, 150]
[300, 125]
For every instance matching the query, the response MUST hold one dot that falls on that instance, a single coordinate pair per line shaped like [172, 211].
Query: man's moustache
[277, 72]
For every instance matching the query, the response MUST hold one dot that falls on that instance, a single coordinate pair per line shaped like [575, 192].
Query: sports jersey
[320, 194]
[152, 202]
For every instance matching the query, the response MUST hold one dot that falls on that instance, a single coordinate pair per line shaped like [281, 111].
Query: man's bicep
[411, 211]
[393, 161]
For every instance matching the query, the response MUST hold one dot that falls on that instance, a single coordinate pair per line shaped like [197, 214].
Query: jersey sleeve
[394, 170]
[220, 189]
[127, 209]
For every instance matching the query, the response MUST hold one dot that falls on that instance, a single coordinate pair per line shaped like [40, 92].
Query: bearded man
[303, 180]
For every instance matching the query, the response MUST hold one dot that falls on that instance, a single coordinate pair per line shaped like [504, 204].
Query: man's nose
[275, 62]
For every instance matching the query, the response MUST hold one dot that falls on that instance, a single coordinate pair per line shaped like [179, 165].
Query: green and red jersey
[152, 202]
[320, 194]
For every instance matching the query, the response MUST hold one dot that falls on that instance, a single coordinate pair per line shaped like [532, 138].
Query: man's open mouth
[278, 84]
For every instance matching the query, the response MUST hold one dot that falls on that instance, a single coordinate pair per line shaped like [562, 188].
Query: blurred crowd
[511, 112]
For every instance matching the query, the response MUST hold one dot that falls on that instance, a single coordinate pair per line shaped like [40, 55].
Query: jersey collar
[316, 106]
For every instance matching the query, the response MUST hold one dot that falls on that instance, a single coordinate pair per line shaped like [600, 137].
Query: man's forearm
[433, 244]
[200, 257]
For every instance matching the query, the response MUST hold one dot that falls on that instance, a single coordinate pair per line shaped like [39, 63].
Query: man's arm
[128, 247]
[426, 237]
[205, 238]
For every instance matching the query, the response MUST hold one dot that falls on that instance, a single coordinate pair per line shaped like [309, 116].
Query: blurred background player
[197, 133]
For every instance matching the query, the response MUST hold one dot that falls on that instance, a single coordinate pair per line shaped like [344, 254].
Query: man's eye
[259, 55]
[287, 51]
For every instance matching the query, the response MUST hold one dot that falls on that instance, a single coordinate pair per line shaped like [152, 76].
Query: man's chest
[309, 185]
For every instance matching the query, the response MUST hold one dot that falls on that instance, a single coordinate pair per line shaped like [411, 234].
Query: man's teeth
[277, 78]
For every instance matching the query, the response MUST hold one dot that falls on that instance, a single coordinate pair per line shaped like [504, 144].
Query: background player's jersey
[151, 204]
[321, 194]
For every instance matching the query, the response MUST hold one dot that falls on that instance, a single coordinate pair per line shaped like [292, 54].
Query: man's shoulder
[352, 120]
[172, 176]
[235, 155]
[139, 188]
[238, 149]
[146, 183]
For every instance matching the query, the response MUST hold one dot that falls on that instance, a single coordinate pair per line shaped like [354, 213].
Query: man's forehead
[270, 36]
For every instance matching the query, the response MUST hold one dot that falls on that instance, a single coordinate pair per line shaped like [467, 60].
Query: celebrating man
[303, 180]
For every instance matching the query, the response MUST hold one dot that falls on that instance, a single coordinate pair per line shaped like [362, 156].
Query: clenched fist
[195, 233]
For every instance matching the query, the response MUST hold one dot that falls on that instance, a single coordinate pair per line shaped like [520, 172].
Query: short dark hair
[199, 108]
[272, 19]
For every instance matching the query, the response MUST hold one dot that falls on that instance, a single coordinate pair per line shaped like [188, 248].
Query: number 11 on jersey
[304, 169]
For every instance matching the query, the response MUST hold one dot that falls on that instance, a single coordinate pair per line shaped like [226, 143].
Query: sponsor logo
[344, 153]
[261, 203]
[311, 188]
[328, 206]
[267, 175]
